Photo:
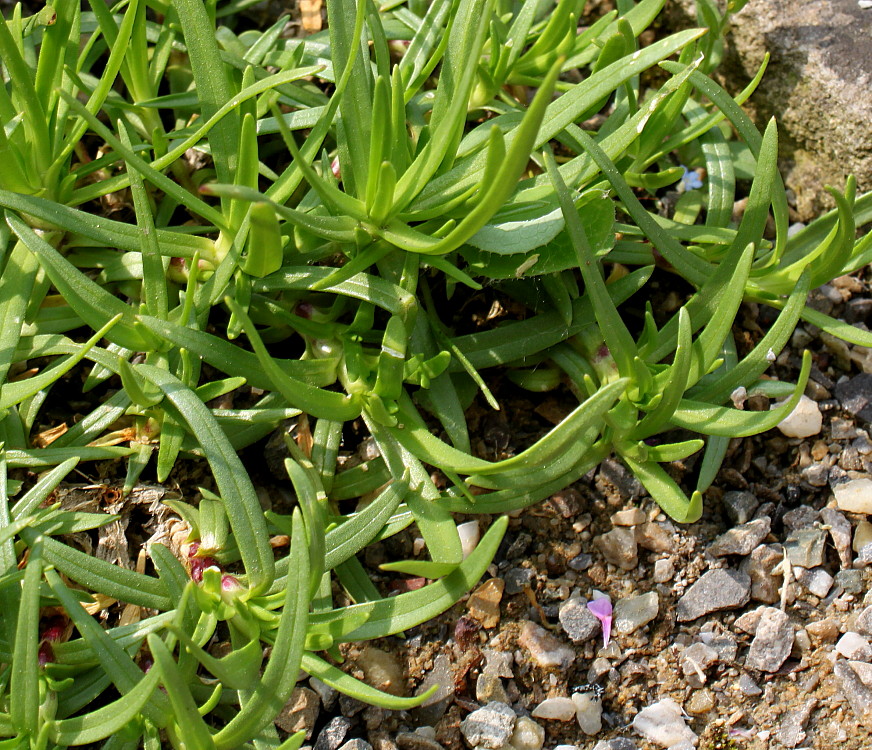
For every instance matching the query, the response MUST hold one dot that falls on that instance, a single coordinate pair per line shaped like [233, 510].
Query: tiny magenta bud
[336, 168]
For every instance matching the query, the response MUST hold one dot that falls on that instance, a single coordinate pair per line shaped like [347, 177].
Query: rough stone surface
[854, 646]
[517, 579]
[790, 733]
[435, 706]
[589, 712]
[817, 581]
[556, 709]
[632, 613]
[356, 744]
[300, 712]
[804, 421]
[578, 622]
[528, 735]
[816, 86]
[333, 734]
[544, 649]
[840, 533]
[741, 540]
[695, 660]
[416, 741]
[489, 727]
[854, 496]
[805, 547]
[761, 566]
[616, 743]
[655, 537]
[772, 642]
[484, 603]
[863, 623]
[855, 395]
[714, 591]
[858, 695]
[740, 505]
[619, 547]
[663, 723]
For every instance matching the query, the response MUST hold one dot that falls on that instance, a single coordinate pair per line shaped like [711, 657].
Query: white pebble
[854, 496]
[865, 4]
[663, 723]
[854, 646]
[589, 711]
[558, 709]
[528, 735]
[804, 421]
[469, 536]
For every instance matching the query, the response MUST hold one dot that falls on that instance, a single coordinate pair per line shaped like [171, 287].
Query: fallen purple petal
[602, 609]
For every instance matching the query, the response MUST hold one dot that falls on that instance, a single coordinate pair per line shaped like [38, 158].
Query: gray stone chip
[772, 642]
[716, 590]
[489, 727]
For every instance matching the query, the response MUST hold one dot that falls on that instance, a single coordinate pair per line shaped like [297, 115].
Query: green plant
[317, 280]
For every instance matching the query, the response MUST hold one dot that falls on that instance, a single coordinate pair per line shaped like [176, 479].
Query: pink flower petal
[602, 609]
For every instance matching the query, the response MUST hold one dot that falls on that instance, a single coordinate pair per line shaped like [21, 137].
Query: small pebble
[772, 642]
[555, 709]
[663, 723]
[790, 732]
[544, 649]
[664, 570]
[805, 547]
[528, 735]
[327, 694]
[761, 567]
[748, 687]
[854, 496]
[581, 562]
[489, 727]
[382, 670]
[695, 660]
[629, 517]
[578, 622]
[356, 744]
[851, 580]
[802, 517]
[618, 547]
[863, 670]
[700, 702]
[484, 603]
[655, 537]
[589, 712]
[489, 688]
[741, 540]
[854, 646]
[857, 694]
[740, 505]
[616, 743]
[498, 663]
[517, 579]
[862, 535]
[417, 740]
[716, 590]
[633, 612]
[441, 675]
[823, 631]
[333, 734]
[840, 533]
[863, 623]
[817, 581]
[300, 712]
[804, 421]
